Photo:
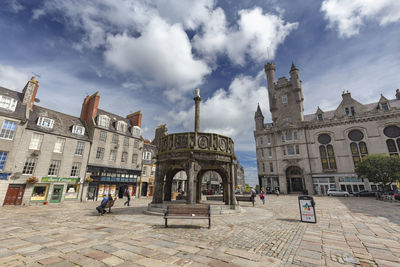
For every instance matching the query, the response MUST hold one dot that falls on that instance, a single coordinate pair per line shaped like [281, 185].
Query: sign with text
[307, 209]
[58, 179]
[4, 176]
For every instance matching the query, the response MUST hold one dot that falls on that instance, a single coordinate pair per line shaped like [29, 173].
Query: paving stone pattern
[349, 232]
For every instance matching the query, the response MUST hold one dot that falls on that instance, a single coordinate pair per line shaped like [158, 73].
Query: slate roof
[62, 123]
[371, 107]
[113, 119]
[20, 109]
[149, 148]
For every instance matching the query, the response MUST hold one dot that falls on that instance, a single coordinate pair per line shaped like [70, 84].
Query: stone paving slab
[349, 232]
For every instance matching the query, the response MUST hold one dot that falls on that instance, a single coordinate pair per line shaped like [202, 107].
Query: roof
[20, 109]
[62, 123]
[371, 107]
[113, 119]
[149, 148]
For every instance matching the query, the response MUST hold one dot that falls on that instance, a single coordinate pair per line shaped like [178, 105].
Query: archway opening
[294, 180]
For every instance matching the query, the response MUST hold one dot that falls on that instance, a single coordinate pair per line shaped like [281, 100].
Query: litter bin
[307, 209]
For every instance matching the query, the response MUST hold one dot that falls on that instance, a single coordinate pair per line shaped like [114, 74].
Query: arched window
[358, 148]
[393, 144]
[326, 152]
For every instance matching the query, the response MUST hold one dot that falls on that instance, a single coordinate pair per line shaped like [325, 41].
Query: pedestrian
[102, 208]
[277, 192]
[262, 195]
[128, 197]
[253, 195]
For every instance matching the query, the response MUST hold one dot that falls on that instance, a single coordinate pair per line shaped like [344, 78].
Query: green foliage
[247, 188]
[379, 168]
[258, 187]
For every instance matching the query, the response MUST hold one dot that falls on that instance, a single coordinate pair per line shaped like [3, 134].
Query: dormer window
[384, 106]
[104, 121]
[319, 117]
[8, 103]
[352, 111]
[136, 131]
[45, 122]
[76, 129]
[284, 99]
[122, 126]
[347, 111]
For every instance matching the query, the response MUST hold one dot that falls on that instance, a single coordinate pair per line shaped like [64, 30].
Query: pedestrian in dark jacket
[102, 208]
[128, 197]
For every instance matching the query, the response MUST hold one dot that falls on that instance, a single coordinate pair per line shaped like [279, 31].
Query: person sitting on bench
[102, 208]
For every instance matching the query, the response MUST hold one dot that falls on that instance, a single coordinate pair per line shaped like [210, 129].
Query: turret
[270, 72]
[259, 119]
[294, 77]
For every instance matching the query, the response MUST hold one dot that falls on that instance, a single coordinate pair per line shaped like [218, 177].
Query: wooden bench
[188, 212]
[245, 199]
[109, 205]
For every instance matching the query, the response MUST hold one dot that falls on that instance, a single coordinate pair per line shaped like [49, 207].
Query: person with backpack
[262, 195]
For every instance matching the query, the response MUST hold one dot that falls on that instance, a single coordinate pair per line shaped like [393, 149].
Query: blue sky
[150, 55]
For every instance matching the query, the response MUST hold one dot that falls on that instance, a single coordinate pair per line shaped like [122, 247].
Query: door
[323, 189]
[14, 195]
[297, 184]
[144, 189]
[57, 194]
[91, 193]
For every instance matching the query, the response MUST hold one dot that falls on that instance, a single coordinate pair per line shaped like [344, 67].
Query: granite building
[115, 159]
[146, 182]
[315, 152]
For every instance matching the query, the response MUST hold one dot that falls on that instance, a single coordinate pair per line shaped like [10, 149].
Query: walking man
[128, 197]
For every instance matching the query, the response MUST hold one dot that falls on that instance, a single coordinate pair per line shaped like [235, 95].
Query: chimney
[89, 108]
[135, 118]
[346, 95]
[397, 93]
[29, 93]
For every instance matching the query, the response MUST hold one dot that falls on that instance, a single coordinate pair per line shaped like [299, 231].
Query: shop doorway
[14, 194]
[91, 193]
[294, 179]
[56, 194]
[144, 189]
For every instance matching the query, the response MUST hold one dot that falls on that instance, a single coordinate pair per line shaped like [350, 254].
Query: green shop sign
[58, 179]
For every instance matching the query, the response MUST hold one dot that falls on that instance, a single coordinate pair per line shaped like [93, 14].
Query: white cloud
[255, 35]
[14, 5]
[349, 16]
[161, 57]
[13, 78]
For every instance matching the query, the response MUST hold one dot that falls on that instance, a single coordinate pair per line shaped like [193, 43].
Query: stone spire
[293, 67]
[258, 112]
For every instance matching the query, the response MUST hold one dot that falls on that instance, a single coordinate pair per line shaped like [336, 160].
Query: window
[122, 126]
[269, 139]
[100, 153]
[80, 147]
[59, 146]
[104, 121]
[39, 193]
[291, 150]
[115, 139]
[103, 136]
[144, 170]
[136, 131]
[76, 129]
[384, 106]
[76, 167]
[352, 111]
[72, 191]
[124, 157]
[270, 152]
[29, 166]
[284, 99]
[8, 130]
[36, 141]
[153, 170]
[347, 111]
[3, 158]
[113, 154]
[319, 117]
[54, 167]
[262, 152]
[8, 103]
[271, 167]
[45, 122]
[134, 159]
[261, 140]
[393, 144]
[263, 167]
[289, 136]
[358, 151]
[147, 155]
[136, 144]
[126, 141]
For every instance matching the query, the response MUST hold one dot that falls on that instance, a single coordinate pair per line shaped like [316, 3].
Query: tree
[379, 168]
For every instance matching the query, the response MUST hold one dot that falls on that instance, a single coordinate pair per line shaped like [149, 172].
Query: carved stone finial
[197, 92]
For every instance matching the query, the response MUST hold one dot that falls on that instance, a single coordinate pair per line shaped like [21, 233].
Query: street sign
[307, 209]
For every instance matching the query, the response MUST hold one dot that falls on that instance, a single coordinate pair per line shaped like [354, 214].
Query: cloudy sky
[150, 55]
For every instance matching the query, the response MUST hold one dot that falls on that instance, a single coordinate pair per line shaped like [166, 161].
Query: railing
[197, 141]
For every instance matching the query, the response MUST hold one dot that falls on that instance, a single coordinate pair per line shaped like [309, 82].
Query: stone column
[198, 193]
[168, 189]
[232, 185]
[191, 189]
[197, 100]
[158, 186]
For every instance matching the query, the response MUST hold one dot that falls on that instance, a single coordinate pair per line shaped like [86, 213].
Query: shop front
[351, 184]
[270, 183]
[55, 190]
[14, 195]
[111, 181]
[321, 185]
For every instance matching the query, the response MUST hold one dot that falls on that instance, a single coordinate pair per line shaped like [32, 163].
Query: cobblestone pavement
[349, 232]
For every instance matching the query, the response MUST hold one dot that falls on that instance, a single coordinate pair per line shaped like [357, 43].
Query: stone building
[315, 152]
[146, 183]
[116, 147]
[48, 147]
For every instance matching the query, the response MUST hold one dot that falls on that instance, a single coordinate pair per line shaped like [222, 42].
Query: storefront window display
[40, 193]
[72, 191]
